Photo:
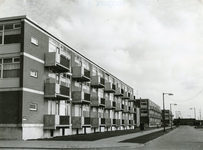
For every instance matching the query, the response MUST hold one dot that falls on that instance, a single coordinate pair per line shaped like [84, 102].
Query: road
[182, 138]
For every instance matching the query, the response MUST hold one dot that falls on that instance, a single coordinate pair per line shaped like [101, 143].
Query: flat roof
[25, 17]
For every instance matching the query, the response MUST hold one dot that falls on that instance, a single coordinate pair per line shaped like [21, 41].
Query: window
[1, 35]
[10, 33]
[8, 26]
[34, 41]
[16, 60]
[9, 68]
[33, 107]
[17, 26]
[33, 73]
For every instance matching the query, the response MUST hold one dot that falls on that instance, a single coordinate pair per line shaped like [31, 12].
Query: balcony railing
[80, 74]
[53, 121]
[118, 122]
[118, 107]
[126, 122]
[110, 104]
[132, 110]
[109, 87]
[131, 122]
[86, 121]
[108, 122]
[97, 82]
[126, 109]
[64, 120]
[96, 122]
[102, 101]
[80, 97]
[79, 122]
[97, 101]
[126, 95]
[57, 61]
[118, 92]
[132, 98]
[103, 121]
[56, 91]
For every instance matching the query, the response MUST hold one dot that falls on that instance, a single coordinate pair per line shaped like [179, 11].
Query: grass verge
[94, 136]
[146, 138]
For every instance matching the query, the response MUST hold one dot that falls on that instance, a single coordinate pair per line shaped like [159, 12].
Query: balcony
[56, 61]
[56, 91]
[79, 122]
[80, 74]
[109, 87]
[118, 107]
[96, 122]
[108, 122]
[97, 101]
[79, 97]
[131, 122]
[110, 104]
[97, 82]
[126, 122]
[118, 122]
[126, 95]
[126, 109]
[132, 98]
[132, 110]
[54, 121]
[119, 92]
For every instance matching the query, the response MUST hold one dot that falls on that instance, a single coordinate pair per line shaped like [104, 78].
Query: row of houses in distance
[49, 89]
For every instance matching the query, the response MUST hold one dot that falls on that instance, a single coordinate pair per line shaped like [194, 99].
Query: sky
[154, 46]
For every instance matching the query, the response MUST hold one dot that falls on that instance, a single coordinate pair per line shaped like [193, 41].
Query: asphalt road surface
[182, 138]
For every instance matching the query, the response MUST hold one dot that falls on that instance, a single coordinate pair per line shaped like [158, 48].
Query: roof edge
[13, 18]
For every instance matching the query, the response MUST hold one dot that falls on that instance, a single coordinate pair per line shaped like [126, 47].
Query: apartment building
[49, 89]
[150, 113]
[168, 117]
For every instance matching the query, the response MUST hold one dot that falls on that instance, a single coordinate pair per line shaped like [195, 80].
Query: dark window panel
[7, 60]
[9, 39]
[9, 26]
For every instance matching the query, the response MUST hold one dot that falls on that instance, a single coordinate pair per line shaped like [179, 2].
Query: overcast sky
[155, 46]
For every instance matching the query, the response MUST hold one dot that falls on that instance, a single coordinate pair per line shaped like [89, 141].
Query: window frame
[2, 63]
[34, 41]
[33, 75]
[35, 107]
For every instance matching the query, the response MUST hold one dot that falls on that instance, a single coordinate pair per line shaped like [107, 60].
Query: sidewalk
[103, 143]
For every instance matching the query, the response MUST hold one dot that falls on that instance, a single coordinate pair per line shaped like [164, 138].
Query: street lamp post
[171, 116]
[164, 110]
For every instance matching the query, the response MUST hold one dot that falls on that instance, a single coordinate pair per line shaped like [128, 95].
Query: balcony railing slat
[65, 62]
[64, 90]
[87, 120]
[87, 73]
